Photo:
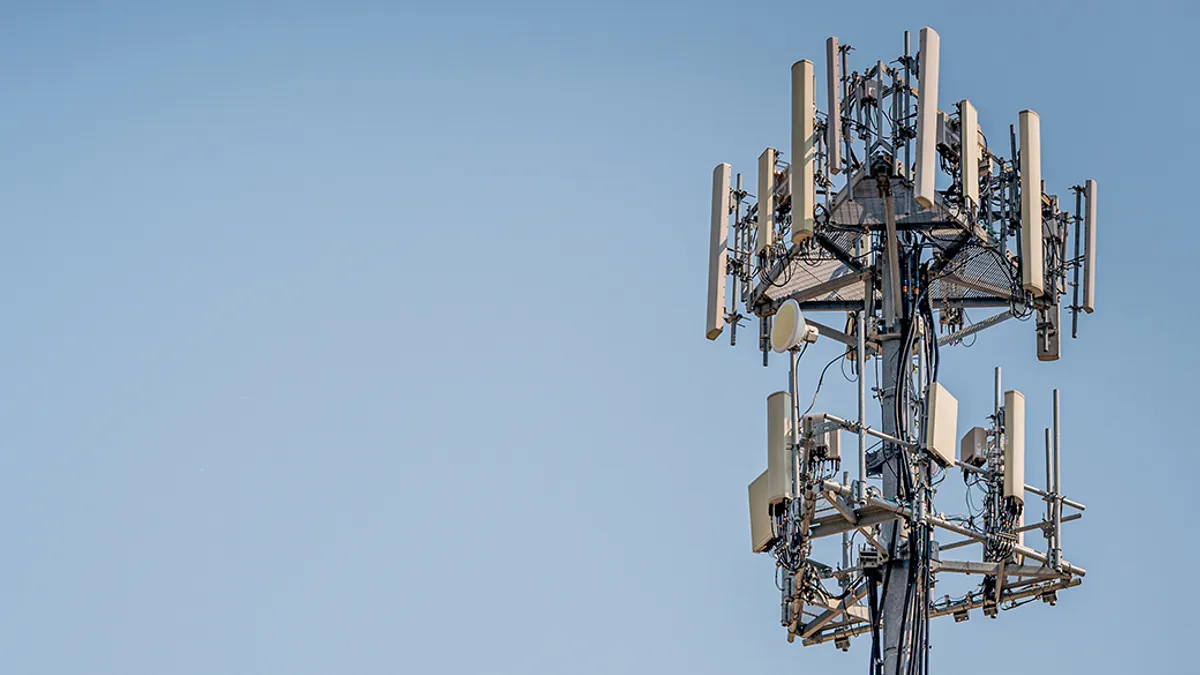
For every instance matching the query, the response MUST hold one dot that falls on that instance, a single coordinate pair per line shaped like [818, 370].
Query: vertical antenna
[846, 142]
[764, 338]
[907, 103]
[969, 154]
[766, 200]
[779, 472]
[1014, 446]
[1078, 262]
[736, 245]
[717, 252]
[1089, 253]
[927, 119]
[833, 130]
[803, 186]
[880, 143]
[1032, 270]
[998, 400]
[1014, 451]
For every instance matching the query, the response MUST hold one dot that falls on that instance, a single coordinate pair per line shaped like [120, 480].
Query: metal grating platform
[816, 281]
[976, 272]
[862, 206]
[825, 273]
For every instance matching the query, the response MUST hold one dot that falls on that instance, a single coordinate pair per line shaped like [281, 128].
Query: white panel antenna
[833, 444]
[766, 200]
[1032, 270]
[941, 428]
[761, 534]
[973, 448]
[804, 151]
[717, 245]
[1089, 250]
[969, 155]
[779, 445]
[833, 130]
[927, 119]
[1014, 445]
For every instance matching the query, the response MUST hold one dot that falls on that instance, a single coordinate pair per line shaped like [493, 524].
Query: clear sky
[366, 337]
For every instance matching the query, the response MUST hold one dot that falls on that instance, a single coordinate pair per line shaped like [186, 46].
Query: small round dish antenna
[789, 329]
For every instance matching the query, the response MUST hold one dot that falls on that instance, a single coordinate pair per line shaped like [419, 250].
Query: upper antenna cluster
[992, 237]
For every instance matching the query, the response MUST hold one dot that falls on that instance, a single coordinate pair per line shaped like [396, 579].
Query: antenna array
[857, 224]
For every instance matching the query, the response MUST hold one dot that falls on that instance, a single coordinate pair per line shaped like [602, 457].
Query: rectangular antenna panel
[761, 535]
[947, 135]
[941, 428]
[779, 447]
[969, 154]
[804, 150]
[927, 119]
[1014, 445]
[833, 82]
[717, 245]
[833, 444]
[766, 200]
[1048, 334]
[1089, 248]
[973, 449]
[1032, 275]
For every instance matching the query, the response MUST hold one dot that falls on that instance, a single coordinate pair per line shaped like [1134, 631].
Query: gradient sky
[366, 337]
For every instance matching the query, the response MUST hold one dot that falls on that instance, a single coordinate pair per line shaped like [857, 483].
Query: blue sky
[366, 337]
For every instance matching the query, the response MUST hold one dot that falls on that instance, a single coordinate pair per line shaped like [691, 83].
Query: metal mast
[854, 223]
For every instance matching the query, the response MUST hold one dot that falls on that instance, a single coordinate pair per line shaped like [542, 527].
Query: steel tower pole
[895, 569]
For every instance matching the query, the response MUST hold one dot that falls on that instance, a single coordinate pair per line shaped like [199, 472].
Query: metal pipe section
[1028, 488]
[1017, 548]
[968, 467]
[950, 608]
[794, 414]
[862, 401]
[885, 504]
[954, 527]
[1043, 558]
[1049, 485]
[895, 570]
[846, 535]
[951, 526]
[1024, 528]
[1034, 526]
[1066, 502]
[854, 426]
[960, 335]
[1056, 503]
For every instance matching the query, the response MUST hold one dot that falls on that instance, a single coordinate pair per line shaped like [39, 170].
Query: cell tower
[856, 222]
